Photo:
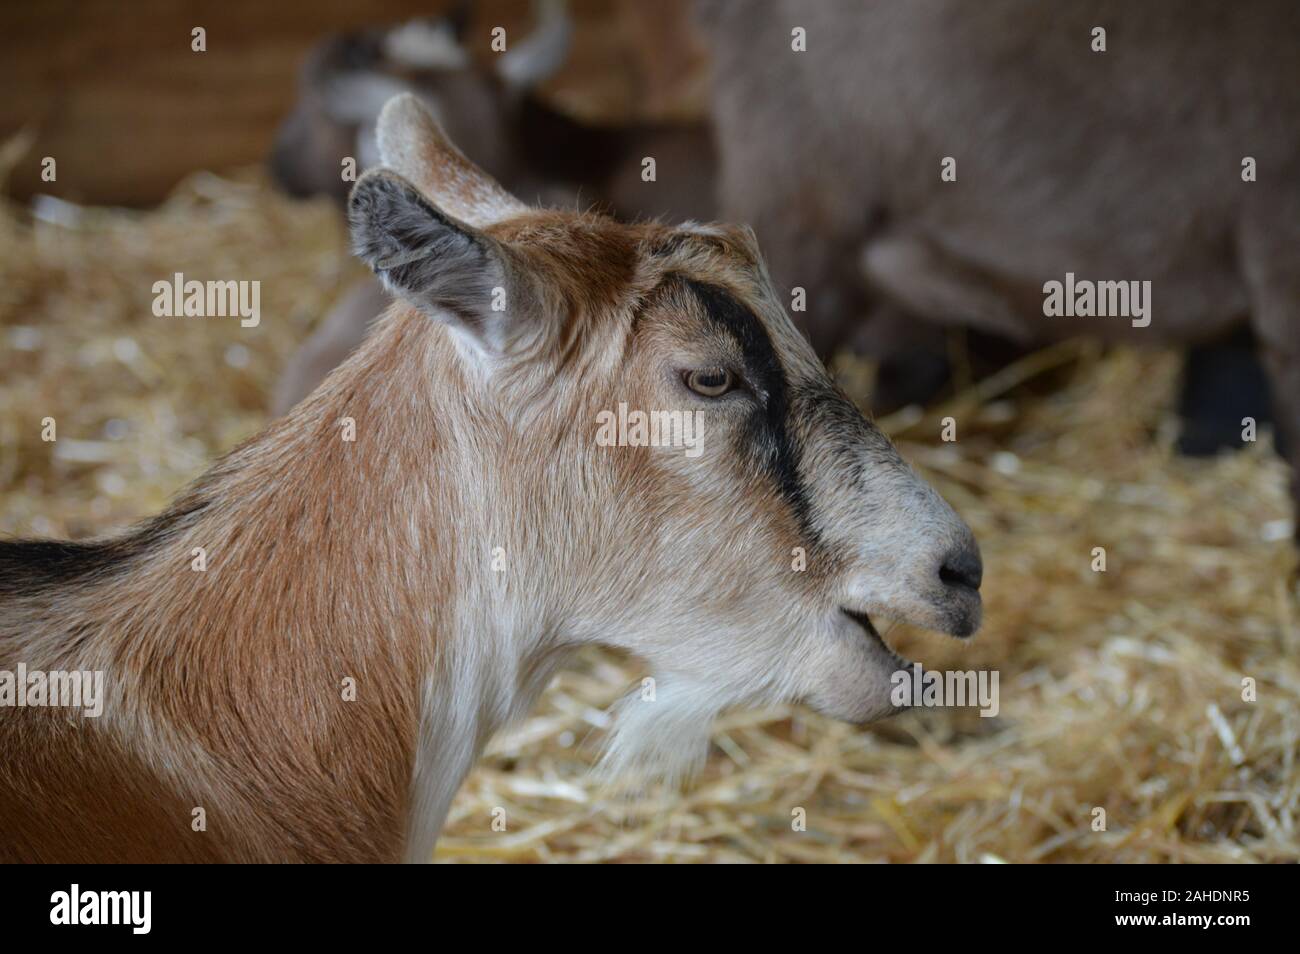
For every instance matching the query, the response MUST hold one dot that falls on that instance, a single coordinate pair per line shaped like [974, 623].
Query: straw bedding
[1120, 690]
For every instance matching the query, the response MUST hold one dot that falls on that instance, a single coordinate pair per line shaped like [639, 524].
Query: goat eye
[710, 382]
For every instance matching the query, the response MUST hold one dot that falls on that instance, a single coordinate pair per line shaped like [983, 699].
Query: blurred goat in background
[1165, 148]
[495, 115]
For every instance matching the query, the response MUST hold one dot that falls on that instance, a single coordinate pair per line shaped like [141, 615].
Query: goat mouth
[869, 628]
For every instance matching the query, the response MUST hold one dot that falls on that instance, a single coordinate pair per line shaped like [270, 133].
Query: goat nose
[963, 567]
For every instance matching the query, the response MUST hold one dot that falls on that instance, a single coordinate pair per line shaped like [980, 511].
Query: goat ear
[449, 270]
[412, 144]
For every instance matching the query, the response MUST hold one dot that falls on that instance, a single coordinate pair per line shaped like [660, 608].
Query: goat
[473, 533]
[1133, 163]
[495, 117]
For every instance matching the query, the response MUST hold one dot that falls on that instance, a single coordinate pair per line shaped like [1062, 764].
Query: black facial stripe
[770, 434]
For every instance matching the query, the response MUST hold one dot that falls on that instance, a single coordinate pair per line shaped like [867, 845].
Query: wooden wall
[114, 93]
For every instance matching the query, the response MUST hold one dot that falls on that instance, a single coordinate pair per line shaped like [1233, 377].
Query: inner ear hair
[422, 254]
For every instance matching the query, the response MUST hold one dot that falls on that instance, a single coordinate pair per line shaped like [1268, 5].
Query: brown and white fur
[373, 559]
